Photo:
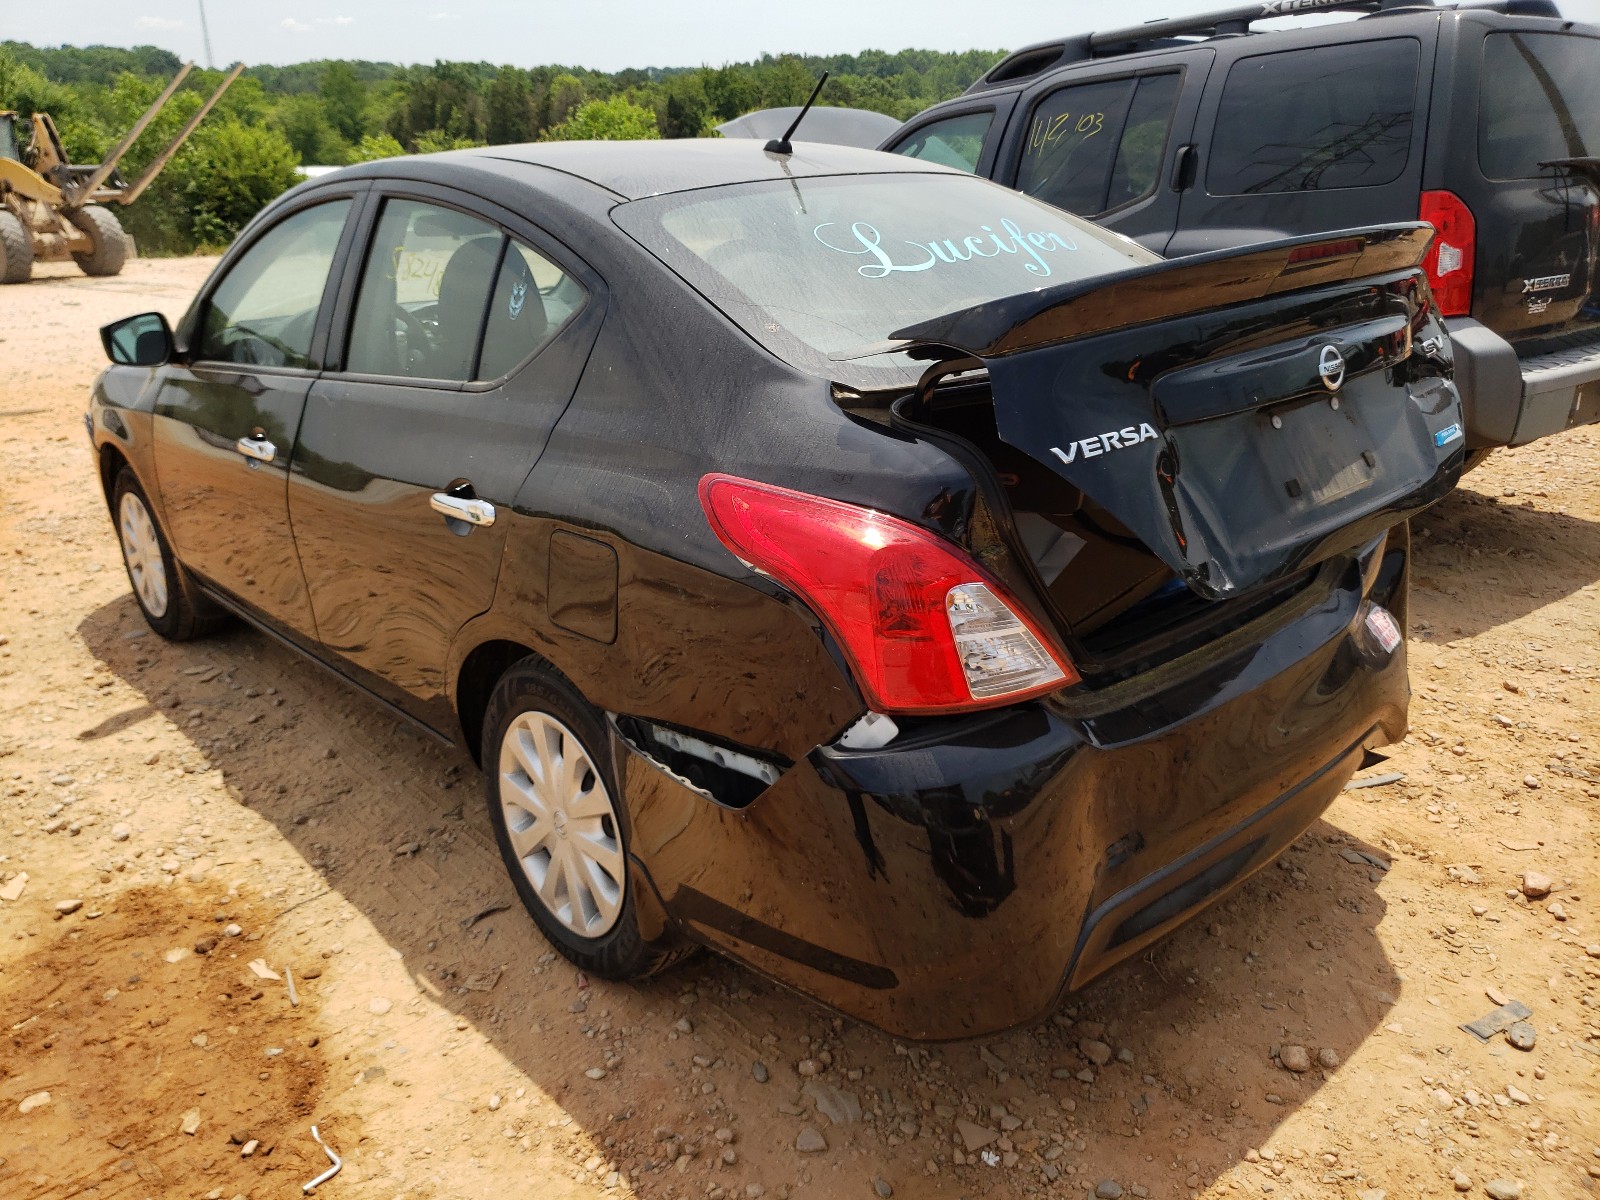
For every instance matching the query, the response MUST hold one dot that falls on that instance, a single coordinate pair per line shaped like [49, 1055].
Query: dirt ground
[223, 814]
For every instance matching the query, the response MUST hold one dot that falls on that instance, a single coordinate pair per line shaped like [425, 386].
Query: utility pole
[205, 35]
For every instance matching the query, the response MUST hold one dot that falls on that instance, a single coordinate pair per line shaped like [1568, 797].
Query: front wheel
[558, 820]
[170, 602]
[108, 244]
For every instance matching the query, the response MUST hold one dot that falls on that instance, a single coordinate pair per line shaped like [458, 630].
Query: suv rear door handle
[460, 508]
[1185, 167]
[256, 447]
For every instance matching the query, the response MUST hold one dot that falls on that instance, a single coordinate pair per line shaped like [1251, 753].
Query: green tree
[687, 111]
[303, 121]
[614, 120]
[432, 141]
[375, 146]
[566, 93]
[344, 100]
[733, 91]
[229, 174]
[28, 91]
[508, 108]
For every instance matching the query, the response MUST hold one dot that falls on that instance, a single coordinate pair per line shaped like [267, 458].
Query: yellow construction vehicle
[52, 209]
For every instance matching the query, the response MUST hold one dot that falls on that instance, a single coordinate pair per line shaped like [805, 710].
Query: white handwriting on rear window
[989, 244]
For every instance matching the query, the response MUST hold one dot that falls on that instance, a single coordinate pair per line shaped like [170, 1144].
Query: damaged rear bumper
[956, 881]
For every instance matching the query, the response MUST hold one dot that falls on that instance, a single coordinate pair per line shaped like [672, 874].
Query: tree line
[337, 112]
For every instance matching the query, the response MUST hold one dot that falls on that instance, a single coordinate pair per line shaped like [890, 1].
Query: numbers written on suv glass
[1049, 131]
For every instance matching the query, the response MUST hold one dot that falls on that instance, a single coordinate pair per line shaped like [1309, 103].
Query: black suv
[1200, 132]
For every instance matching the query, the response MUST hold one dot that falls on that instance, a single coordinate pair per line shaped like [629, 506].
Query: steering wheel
[416, 333]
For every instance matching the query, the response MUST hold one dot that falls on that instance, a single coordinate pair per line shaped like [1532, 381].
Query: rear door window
[1092, 147]
[953, 142]
[1540, 102]
[1316, 119]
[424, 292]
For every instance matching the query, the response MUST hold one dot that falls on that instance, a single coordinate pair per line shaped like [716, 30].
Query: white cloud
[294, 26]
[159, 23]
[443, 16]
[333, 20]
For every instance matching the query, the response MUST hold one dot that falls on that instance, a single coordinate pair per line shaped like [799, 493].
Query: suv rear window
[1541, 101]
[1315, 119]
[813, 267]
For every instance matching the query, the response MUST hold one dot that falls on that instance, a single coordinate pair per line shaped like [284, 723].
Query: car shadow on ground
[396, 825]
[1484, 560]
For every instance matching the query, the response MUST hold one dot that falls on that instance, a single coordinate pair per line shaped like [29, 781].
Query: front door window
[264, 311]
[953, 142]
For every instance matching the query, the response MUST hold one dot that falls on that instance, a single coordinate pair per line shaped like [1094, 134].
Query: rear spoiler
[1171, 288]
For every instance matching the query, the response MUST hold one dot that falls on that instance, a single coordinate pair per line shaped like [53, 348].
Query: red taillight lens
[1453, 255]
[925, 628]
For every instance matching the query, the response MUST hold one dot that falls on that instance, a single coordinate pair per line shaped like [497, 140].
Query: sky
[605, 35]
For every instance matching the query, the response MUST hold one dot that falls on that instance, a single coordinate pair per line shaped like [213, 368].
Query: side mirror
[141, 341]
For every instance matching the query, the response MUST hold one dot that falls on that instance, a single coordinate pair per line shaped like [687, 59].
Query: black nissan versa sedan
[882, 577]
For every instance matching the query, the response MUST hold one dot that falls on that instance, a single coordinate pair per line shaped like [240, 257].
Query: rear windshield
[815, 267]
[1541, 101]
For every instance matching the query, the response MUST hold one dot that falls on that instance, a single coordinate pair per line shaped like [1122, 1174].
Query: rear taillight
[925, 628]
[1453, 255]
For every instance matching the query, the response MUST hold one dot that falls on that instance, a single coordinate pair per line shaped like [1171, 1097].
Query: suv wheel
[559, 823]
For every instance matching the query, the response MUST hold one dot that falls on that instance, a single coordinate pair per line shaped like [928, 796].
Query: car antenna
[781, 145]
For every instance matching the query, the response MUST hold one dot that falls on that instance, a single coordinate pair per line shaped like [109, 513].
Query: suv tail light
[1452, 257]
[926, 630]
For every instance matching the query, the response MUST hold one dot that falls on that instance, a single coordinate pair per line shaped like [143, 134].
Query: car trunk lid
[1244, 414]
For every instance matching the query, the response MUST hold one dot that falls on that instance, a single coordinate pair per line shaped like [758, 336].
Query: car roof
[636, 169]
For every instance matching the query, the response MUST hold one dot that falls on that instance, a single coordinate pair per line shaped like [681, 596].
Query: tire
[536, 717]
[16, 249]
[1476, 458]
[110, 244]
[171, 603]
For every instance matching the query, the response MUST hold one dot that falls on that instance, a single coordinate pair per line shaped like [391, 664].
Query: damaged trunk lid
[1244, 414]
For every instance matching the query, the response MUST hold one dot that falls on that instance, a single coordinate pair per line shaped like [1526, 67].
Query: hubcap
[562, 825]
[141, 550]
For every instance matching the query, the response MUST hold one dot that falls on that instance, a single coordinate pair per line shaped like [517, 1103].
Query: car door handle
[1185, 167]
[257, 448]
[459, 508]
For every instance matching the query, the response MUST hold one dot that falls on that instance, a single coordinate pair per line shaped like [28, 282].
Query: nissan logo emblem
[1330, 365]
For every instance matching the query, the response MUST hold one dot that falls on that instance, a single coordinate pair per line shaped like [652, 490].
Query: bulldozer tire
[16, 249]
[105, 233]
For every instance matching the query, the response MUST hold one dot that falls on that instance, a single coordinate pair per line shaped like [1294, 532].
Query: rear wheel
[558, 819]
[16, 249]
[108, 243]
[167, 597]
[1476, 458]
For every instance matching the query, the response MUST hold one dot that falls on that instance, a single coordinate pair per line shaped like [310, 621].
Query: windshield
[1541, 101]
[818, 267]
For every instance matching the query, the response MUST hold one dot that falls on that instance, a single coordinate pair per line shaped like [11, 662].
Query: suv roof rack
[1227, 22]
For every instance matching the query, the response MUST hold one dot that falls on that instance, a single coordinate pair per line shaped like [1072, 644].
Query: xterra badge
[1103, 443]
[1545, 283]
